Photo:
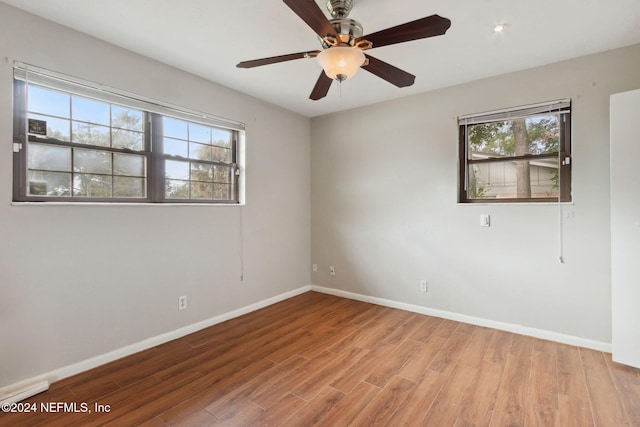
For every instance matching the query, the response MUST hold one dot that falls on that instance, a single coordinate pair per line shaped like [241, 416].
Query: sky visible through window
[92, 148]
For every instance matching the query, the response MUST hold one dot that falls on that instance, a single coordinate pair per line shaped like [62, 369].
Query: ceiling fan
[343, 44]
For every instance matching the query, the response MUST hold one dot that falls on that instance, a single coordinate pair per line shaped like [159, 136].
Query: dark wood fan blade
[388, 72]
[276, 59]
[310, 12]
[321, 88]
[430, 26]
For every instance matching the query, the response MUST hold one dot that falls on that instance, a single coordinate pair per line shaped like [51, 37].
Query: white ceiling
[209, 37]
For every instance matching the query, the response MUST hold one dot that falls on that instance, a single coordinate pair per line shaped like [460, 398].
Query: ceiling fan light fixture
[341, 62]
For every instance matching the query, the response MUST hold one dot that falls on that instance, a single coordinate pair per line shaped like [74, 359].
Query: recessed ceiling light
[500, 28]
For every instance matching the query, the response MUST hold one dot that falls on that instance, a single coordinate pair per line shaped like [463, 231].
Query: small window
[516, 155]
[74, 142]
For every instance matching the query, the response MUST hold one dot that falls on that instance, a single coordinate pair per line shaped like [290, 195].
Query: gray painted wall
[385, 214]
[80, 281]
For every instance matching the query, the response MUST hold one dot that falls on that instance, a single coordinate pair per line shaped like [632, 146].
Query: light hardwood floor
[319, 359]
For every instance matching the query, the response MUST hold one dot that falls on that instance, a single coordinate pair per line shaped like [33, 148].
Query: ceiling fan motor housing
[339, 8]
[347, 31]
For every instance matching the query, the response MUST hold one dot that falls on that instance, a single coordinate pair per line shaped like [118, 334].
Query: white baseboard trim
[30, 387]
[20, 391]
[503, 326]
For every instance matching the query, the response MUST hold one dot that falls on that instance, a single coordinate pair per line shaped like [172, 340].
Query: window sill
[515, 204]
[117, 204]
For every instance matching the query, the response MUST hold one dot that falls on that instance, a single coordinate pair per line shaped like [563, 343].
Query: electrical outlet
[315, 268]
[182, 303]
[423, 285]
[332, 270]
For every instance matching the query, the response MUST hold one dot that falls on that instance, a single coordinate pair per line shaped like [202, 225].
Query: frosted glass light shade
[341, 62]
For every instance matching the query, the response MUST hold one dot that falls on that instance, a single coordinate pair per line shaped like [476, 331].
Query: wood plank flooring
[317, 359]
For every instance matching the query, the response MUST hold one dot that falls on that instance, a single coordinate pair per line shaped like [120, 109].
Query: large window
[516, 155]
[74, 141]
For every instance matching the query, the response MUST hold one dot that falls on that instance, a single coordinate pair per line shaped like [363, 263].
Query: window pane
[175, 147]
[91, 161]
[127, 139]
[129, 187]
[48, 157]
[222, 192]
[544, 134]
[222, 174]
[221, 137]
[47, 101]
[199, 151]
[175, 189]
[85, 185]
[222, 155]
[535, 135]
[49, 184]
[509, 179]
[90, 110]
[56, 128]
[174, 128]
[199, 133]
[126, 118]
[544, 177]
[176, 170]
[201, 172]
[202, 190]
[128, 164]
[86, 133]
